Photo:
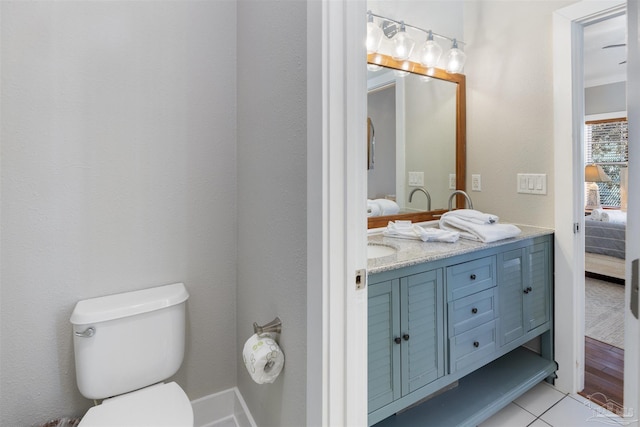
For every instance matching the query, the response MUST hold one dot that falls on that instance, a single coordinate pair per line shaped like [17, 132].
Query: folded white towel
[406, 230]
[596, 214]
[387, 207]
[380, 207]
[614, 216]
[474, 216]
[373, 208]
[480, 232]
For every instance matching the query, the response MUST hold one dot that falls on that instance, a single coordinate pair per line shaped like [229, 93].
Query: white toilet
[125, 345]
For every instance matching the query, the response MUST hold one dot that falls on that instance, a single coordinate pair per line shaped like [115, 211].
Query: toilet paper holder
[274, 326]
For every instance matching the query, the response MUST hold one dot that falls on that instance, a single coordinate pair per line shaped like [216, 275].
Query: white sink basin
[377, 250]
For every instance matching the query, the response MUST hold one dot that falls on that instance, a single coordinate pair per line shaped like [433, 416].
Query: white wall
[605, 98]
[118, 173]
[510, 105]
[509, 94]
[272, 198]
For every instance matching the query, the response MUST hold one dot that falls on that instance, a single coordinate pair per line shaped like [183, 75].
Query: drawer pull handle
[472, 277]
[476, 344]
[397, 340]
[405, 337]
[526, 291]
[474, 310]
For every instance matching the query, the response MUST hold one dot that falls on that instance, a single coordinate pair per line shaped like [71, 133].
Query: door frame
[568, 24]
[336, 220]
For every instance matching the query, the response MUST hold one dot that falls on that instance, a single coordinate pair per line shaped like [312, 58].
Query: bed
[604, 247]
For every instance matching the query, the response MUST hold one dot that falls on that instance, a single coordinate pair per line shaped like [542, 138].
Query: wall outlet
[476, 182]
[452, 181]
[416, 179]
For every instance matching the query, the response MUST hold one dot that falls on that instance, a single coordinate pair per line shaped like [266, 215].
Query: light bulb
[455, 59]
[431, 52]
[374, 35]
[403, 44]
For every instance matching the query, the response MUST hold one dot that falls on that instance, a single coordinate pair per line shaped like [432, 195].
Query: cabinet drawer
[473, 346]
[473, 310]
[470, 277]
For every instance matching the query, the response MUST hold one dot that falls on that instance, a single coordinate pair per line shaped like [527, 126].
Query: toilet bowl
[125, 346]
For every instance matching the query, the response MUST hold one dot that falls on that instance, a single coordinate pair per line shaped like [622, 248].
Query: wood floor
[604, 365]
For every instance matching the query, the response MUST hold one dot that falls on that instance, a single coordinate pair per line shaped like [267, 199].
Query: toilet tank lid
[126, 304]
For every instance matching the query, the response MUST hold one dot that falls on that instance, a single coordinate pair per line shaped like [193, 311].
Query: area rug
[604, 311]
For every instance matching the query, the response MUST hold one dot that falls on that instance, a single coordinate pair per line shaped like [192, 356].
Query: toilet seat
[164, 405]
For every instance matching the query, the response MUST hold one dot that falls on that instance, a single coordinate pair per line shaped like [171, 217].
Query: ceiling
[602, 66]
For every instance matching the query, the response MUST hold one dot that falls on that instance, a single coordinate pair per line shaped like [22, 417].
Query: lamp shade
[431, 52]
[403, 44]
[455, 59]
[374, 36]
[595, 173]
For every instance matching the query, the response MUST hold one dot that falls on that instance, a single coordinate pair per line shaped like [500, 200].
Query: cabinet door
[384, 353]
[511, 283]
[422, 329]
[536, 294]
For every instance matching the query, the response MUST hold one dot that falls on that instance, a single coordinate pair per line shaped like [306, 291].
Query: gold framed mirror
[459, 142]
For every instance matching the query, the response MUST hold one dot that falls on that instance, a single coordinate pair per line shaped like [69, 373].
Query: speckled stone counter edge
[412, 252]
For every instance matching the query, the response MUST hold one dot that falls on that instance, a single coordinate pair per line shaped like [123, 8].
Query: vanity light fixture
[431, 52]
[455, 58]
[374, 35]
[402, 43]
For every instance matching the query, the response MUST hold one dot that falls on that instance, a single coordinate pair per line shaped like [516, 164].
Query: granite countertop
[412, 252]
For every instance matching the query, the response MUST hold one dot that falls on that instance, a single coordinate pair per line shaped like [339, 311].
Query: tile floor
[545, 406]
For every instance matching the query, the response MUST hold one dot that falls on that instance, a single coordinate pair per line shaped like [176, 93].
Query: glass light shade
[403, 44]
[374, 37]
[455, 59]
[430, 53]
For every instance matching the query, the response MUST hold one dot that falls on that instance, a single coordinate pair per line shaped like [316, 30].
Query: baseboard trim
[226, 404]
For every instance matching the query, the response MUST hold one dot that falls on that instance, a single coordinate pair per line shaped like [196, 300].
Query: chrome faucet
[466, 196]
[426, 193]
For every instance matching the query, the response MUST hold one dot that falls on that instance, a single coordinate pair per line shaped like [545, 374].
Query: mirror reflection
[416, 153]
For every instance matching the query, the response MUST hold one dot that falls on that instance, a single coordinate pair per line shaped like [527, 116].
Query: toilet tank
[127, 341]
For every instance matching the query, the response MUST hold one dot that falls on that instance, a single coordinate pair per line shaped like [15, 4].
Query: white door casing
[569, 257]
[336, 213]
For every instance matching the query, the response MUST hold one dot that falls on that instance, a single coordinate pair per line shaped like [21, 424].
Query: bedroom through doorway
[605, 222]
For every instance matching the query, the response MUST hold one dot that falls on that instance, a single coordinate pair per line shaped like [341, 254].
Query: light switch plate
[531, 183]
[416, 179]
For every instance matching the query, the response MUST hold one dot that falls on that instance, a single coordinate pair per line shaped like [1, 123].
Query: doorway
[568, 121]
[605, 138]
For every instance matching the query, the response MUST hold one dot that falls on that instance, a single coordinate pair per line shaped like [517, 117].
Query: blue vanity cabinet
[405, 336]
[525, 292]
[447, 337]
[384, 353]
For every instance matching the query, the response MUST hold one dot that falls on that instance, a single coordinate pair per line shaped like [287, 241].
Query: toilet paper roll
[263, 358]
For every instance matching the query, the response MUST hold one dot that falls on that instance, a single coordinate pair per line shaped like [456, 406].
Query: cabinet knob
[476, 344]
[397, 340]
[472, 277]
[405, 337]
[474, 310]
[528, 289]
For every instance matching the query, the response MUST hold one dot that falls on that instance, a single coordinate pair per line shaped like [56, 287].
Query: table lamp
[593, 174]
